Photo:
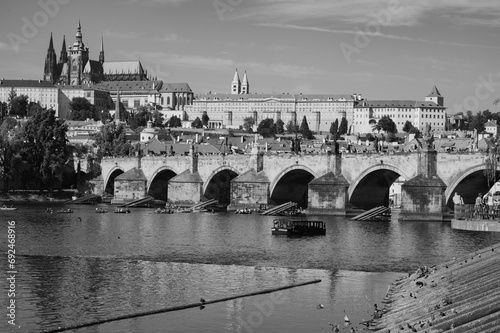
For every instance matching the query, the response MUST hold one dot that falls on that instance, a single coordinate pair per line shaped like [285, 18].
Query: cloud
[121, 35]
[170, 38]
[373, 34]
[349, 13]
[222, 64]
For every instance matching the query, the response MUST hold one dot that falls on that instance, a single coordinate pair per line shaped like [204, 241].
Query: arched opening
[292, 186]
[219, 187]
[373, 189]
[110, 185]
[159, 186]
[474, 183]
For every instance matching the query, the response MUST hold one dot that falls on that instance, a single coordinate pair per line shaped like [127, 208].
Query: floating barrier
[177, 308]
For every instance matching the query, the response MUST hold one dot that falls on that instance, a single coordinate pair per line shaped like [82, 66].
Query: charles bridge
[324, 183]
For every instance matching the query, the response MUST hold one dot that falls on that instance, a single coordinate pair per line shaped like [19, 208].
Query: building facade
[420, 113]
[75, 67]
[38, 91]
[96, 94]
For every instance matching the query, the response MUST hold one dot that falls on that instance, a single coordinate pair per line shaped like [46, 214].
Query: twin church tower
[238, 87]
[74, 66]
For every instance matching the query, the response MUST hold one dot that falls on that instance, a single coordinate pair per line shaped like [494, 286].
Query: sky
[381, 49]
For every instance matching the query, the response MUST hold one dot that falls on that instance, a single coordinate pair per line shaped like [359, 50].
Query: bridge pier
[422, 197]
[249, 190]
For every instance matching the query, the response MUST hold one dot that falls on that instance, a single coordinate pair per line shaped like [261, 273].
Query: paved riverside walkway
[476, 218]
[459, 296]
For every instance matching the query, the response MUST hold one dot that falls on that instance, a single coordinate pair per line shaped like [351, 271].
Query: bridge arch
[112, 174]
[157, 185]
[291, 184]
[371, 169]
[468, 197]
[218, 184]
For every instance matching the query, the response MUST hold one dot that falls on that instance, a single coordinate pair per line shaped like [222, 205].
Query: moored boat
[298, 228]
[65, 211]
[4, 207]
[120, 210]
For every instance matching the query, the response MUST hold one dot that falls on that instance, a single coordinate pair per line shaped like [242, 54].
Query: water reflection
[85, 266]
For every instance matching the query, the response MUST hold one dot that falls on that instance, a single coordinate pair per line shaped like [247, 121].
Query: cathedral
[74, 66]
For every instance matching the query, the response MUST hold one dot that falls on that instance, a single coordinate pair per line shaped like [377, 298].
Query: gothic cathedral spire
[245, 85]
[101, 54]
[63, 57]
[50, 70]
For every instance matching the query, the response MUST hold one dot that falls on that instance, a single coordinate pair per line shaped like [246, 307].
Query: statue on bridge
[428, 138]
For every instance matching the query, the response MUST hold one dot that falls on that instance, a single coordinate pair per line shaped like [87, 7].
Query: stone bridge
[324, 183]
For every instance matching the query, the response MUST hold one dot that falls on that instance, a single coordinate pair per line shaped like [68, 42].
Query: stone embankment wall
[462, 295]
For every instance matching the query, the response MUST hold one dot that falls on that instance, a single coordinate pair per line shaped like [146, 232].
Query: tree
[10, 98]
[174, 121]
[4, 111]
[33, 108]
[19, 106]
[81, 109]
[408, 126]
[386, 124]
[111, 141]
[205, 119]
[334, 130]
[279, 126]
[197, 123]
[158, 119]
[291, 127]
[343, 127]
[139, 118]
[304, 129]
[491, 161]
[266, 128]
[44, 149]
[248, 124]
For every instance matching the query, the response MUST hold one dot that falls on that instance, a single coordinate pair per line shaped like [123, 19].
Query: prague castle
[75, 67]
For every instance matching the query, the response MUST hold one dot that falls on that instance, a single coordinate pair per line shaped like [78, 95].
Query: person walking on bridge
[457, 199]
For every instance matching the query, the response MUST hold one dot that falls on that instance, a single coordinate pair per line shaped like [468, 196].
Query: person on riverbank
[457, 199]
[478, 205]
[489, 201]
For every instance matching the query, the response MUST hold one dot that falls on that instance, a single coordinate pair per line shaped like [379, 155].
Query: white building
[96, 94]
[37, 91]
[491, 127]
[420, 113]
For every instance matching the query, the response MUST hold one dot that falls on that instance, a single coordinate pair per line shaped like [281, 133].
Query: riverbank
[35, 196]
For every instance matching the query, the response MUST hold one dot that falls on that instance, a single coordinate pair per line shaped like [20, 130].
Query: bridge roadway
[367, 177]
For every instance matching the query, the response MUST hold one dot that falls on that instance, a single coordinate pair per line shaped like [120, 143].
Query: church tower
[236, 84]
[101, 54]
[63, 57]
[435, 96]
[245, 85]
[79, 55]
[50, 70]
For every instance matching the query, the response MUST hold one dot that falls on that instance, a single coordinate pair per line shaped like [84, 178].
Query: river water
[82, 267]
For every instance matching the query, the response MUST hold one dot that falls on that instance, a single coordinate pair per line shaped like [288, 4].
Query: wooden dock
[459, 296]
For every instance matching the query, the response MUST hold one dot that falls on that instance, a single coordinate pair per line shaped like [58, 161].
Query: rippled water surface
[82, 267]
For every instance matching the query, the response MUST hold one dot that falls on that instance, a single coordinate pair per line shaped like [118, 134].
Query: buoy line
[177, 308]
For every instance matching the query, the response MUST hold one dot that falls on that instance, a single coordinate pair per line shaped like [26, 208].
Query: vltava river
[82, 267]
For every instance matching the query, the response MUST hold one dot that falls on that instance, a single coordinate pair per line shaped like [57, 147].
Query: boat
[120, 210]
[101, 210]
[243, 211]
[4, 207]
[163, 211]
[298, 228]
[64, 211]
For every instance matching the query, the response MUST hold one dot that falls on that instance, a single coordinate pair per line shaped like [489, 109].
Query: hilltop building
[420, 113]
[75, 66]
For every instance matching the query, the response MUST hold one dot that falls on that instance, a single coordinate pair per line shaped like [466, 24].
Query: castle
[75, 68]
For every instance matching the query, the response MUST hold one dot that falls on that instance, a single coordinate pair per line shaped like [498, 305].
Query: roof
[176, 87]
[125, 67]
[490, 123]
[93, 66]
[26, 83]
[434, 92]
[261, 97]
[91, 86]
[132, 174]
[113, 86]
[396, 104]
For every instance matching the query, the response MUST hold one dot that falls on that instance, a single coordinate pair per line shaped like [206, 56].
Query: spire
[79, 32]
[51, 43]
[117, 107]
[63, 57]
[245, 85]
[101, 54]
[236, 78]
[434, 92]
[236, 84]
